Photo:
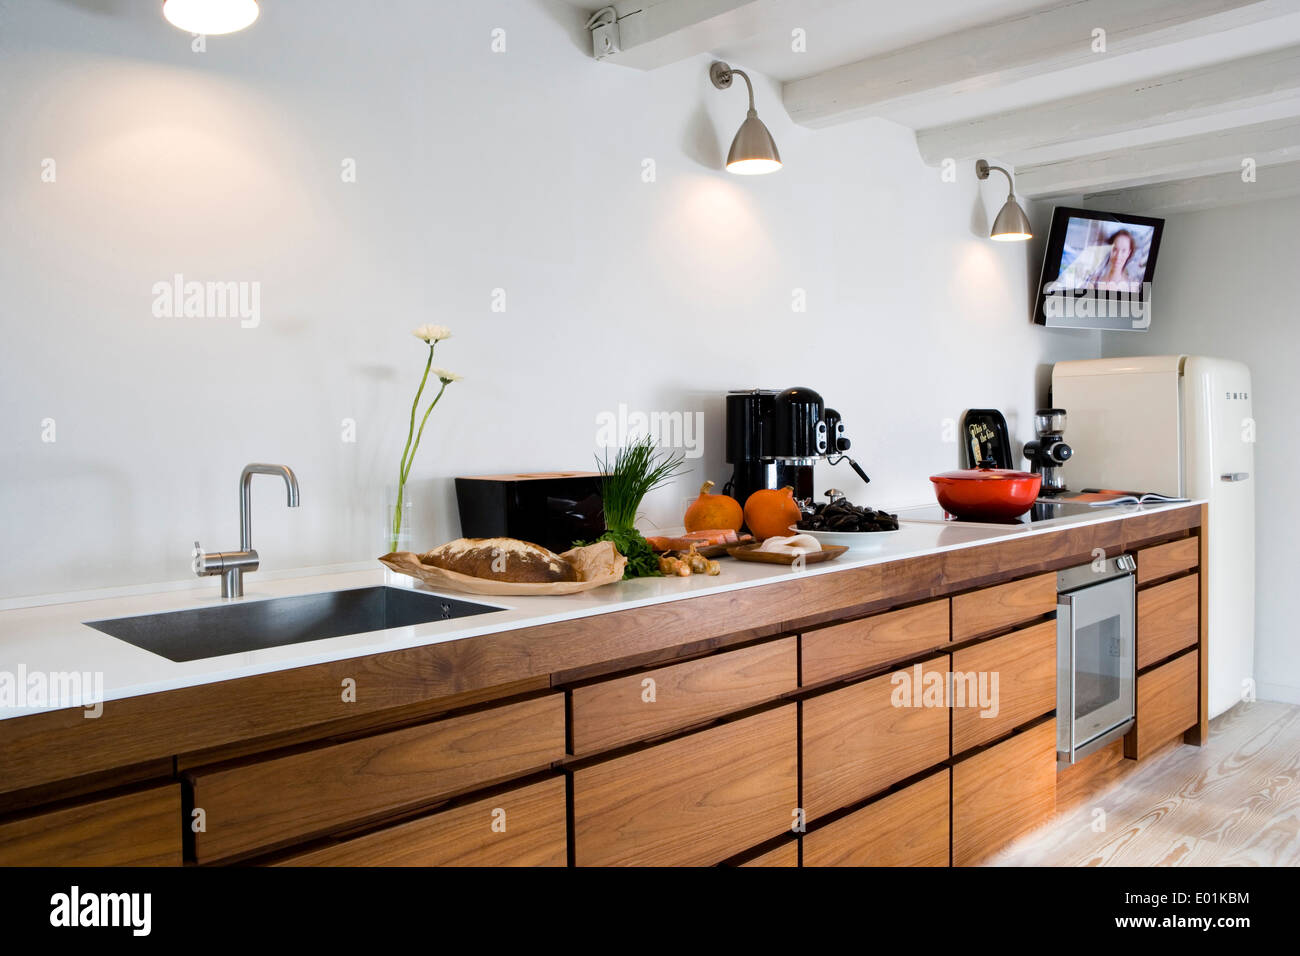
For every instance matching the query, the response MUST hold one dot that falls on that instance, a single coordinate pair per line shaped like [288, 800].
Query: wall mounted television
[1098, 270]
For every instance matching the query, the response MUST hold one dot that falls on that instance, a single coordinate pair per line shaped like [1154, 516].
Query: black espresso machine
[775, 437]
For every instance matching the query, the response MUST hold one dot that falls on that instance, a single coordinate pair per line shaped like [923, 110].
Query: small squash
[769, 512]
[714, 512]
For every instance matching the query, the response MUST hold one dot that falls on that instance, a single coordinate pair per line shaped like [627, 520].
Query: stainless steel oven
[1096, 674]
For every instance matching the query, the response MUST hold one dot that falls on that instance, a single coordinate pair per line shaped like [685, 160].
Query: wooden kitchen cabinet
[787, 854]
[856, 742]
[907, 828]
[1168, 619]
[135, 829]
[987, 610]
[1025, 664]
[608, 713]
[1167, 705]
[1163, 560]
[693, 801]
[521, 827]
[844, 649]
[263, 803]
[1000, 793]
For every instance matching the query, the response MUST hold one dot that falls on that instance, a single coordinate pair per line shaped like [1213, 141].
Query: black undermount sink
[249, 626]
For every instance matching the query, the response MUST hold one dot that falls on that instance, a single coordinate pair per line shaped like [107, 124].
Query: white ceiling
[890, 55]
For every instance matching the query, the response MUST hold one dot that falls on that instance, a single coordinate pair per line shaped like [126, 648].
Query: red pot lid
[983, 474]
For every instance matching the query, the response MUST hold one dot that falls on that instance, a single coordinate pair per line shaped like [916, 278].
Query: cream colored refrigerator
[1178, 425]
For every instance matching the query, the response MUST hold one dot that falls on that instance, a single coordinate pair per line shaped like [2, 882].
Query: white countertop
[51, 639]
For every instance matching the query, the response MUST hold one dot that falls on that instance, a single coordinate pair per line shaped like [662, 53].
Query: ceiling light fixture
[210, 17]
[753, 151]
[1011, 225]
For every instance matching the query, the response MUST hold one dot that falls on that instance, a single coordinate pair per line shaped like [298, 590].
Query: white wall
[1225, 287]
[475, 171]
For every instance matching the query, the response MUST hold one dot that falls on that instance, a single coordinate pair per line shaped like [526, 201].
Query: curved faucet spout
[245, 485]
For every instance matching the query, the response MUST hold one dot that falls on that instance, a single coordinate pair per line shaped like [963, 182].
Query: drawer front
[694, 801]
[1168, 619]
[1006, 605]
[1002, 793]
[1166, 559]
[856, 742]
[522, 827]
[274, 801]
[908, 828]
[1166, 704]
[845, 649]
[136, 829]
[1001, 684]
[787, 854]
[624, 710]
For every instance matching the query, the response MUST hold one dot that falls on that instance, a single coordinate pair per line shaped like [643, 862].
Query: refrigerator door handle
[1234, 476]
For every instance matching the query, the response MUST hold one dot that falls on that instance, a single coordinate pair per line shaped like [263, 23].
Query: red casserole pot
[986, 494]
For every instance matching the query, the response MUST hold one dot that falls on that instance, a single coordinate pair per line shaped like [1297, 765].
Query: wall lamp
[210, 17]
[1012, 224]
[753, 151]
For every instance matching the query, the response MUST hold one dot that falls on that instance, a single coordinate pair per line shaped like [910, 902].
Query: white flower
[445, 377]
[432, 333]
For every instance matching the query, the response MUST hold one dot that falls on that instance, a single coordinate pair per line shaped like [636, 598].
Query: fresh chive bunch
[638, 469]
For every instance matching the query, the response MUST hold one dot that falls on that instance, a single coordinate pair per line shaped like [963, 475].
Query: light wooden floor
[1234, 802]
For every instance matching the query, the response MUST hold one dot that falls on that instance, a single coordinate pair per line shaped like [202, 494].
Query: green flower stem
[420, 433]
[404, 467]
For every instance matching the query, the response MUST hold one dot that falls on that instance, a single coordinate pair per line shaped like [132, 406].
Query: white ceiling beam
[655, 33]
[1202, 192]
[1204, 154]
[1234, 84]
[1051, 38]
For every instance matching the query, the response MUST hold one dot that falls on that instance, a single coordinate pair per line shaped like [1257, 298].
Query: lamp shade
[1012, 224]
[210, 17]
[753, 151]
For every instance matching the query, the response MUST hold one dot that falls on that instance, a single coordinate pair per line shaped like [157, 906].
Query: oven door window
[1102, 625]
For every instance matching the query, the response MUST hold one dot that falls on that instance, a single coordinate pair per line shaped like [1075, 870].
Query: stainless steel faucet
[232, 565]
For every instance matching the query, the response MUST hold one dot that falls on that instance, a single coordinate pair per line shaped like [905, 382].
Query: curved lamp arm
[982, 170]
[722, 75]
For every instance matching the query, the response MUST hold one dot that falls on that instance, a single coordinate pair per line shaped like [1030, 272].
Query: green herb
[642, 562]
[637, 470]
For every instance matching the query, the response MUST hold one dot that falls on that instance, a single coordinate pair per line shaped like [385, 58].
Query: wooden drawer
[1005, 605]
[787, 854]
[908, 828]
[1003, 792]
[1168, 619]
[135, 829]
[845, 649]
[523, 827]
[1166, 559]
[619, 711]
[1167, 700]
[273, 801]
[856, 742]
[1023, 664]
[694, 801]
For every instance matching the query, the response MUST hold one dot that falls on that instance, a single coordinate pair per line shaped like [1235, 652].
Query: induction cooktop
[1044, 509]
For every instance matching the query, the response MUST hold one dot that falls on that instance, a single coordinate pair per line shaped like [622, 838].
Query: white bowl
[855, 540]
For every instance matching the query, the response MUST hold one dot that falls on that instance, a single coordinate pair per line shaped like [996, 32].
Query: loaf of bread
[501, 559]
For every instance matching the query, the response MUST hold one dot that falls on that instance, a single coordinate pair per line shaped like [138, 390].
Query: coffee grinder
[774, 438]
[1048, 452]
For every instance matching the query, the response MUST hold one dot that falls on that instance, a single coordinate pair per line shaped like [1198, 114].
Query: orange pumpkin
[769, 512]
[713, 512]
